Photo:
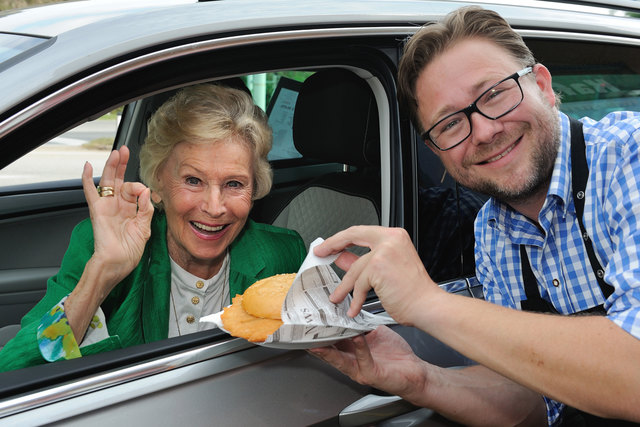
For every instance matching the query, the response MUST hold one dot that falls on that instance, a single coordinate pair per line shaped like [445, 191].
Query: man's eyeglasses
[495, 102]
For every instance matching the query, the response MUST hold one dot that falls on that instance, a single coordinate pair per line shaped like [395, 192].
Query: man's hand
[381, 359]
[392, 268]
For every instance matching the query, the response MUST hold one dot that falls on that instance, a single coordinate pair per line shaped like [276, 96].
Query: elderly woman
[135, 274]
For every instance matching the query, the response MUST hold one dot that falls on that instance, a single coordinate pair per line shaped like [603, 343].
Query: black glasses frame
[473, 108]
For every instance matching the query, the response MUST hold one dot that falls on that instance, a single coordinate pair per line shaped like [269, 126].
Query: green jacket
[137, 309]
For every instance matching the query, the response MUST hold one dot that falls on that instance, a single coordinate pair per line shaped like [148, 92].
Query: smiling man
[488, 110]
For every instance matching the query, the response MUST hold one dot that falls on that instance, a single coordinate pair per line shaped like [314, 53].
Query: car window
[594, 93]
[276, 93]
[592, 79]
[446, 212]
[64, 156]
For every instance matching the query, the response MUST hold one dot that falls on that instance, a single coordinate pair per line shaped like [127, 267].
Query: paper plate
[297, 345]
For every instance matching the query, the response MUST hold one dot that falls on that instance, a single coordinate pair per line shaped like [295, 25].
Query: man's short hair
[435, 38]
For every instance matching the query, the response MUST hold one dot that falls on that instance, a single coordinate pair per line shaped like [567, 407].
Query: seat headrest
[336, 119]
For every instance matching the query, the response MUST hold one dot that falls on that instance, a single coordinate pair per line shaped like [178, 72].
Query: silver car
[80, 78]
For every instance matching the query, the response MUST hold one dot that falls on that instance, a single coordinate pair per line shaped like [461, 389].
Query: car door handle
[373, 408]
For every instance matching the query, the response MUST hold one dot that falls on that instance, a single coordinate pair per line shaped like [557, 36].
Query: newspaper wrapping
[308, 315]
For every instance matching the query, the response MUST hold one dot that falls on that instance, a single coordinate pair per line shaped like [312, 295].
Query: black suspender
[579, 174]
[534, 302]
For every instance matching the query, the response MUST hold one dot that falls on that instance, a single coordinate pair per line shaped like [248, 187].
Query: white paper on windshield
[307, 314]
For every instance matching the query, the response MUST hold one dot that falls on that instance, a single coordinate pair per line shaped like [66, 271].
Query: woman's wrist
[97, 280]
[106, 271]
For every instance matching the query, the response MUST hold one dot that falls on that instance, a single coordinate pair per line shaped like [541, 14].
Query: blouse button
[556, 282]
[190, 319]
[195, 300]
[199, 284]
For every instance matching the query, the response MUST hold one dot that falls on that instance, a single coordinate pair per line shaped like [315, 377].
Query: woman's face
[206, 192]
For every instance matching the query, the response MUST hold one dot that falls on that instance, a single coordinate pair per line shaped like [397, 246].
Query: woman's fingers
[108, 177]
[131, 191]
[145, 207]
[363, 354]
[121, 167]
[89, 188]
[139, 194]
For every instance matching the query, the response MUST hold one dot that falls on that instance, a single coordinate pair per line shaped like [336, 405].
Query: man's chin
[514, 196]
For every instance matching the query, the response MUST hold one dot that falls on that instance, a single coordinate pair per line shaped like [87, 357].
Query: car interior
[335, 121]
[335, 128]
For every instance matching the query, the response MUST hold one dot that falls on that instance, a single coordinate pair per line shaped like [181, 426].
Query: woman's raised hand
[120, 216]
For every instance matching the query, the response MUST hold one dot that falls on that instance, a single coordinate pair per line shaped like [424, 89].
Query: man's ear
[543, 80]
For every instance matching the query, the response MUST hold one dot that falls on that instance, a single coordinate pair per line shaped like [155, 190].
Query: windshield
[12, 45]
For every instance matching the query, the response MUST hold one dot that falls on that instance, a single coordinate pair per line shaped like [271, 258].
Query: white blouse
[193, 297]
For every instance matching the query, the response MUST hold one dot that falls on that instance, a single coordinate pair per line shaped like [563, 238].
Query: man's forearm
[584, 361]
[477, 396]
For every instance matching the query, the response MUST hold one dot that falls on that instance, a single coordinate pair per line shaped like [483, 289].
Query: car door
[231, 381]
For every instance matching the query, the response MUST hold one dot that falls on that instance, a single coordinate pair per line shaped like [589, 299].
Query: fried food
[241, 324]
[255, 314]
[265, 297]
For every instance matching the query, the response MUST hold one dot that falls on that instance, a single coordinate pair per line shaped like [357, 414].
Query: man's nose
[483, 129]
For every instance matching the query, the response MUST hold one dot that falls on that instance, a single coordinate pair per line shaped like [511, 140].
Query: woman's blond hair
[204, 114]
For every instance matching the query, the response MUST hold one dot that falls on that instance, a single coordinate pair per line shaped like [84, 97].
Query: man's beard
[543, 161]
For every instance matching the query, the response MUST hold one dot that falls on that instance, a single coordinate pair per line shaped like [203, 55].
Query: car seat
[335, 121]
[7, 333]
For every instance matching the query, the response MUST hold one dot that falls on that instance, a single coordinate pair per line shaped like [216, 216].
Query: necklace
[175, 313]
[225, 267]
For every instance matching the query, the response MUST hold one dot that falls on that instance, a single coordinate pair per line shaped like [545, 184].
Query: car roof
[81, 35]
[54, 19]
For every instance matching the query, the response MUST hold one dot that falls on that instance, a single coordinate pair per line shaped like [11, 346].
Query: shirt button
[190, 319]
[195, 300]
[199, 284]
[556, 282]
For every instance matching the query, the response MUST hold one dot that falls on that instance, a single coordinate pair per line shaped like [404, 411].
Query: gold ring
[105, 191]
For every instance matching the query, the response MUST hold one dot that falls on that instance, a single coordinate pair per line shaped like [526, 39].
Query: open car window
[63, 157]
[276, 93]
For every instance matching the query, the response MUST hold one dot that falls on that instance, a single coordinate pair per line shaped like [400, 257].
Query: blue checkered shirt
[558, 257]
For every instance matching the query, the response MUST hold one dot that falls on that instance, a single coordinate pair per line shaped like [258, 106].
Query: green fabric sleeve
[23, 351]
[137, 308]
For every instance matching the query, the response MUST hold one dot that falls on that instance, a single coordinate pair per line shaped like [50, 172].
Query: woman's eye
[192, 180]
[234, 184]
